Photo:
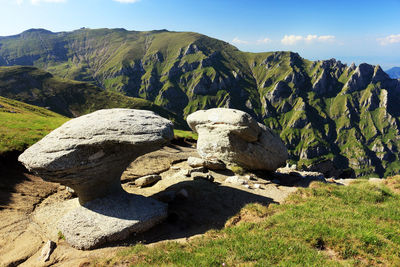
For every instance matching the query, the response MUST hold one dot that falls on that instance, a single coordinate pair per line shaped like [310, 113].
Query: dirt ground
[202, 206]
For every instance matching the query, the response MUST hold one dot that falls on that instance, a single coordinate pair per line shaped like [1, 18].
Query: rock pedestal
[235, 138]
[89, 154]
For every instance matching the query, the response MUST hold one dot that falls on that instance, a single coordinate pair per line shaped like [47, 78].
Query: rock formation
[89, 154]
[235, 138]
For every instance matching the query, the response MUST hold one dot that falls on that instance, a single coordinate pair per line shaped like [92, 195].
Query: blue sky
[352, 30]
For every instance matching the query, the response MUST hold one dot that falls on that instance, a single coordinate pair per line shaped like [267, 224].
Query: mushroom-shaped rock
[235, 138]
[89, 154]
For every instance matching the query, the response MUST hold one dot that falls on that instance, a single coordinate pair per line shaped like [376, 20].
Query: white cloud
[264, 41]
[391, 39]
[127, 1]
[294, 39]
[291, 39]
[326, 38]
[236, 40]
[261, 41]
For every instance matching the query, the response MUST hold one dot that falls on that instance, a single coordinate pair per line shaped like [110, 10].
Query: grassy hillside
[23, 125]
[67, 97]
[339, 119]
[325, 225]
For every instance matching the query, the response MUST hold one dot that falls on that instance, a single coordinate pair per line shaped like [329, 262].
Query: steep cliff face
[336, 118]
[332, 117]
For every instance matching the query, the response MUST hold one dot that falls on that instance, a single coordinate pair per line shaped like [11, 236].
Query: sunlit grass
[21, 125]
[324, 225]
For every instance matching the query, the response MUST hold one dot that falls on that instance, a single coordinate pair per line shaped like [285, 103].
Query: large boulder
[89, 154]
[235, 138]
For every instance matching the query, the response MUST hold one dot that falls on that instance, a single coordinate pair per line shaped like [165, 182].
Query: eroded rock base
[103, 220]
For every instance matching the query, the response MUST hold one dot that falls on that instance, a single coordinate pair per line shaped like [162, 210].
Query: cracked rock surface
[235, 138]
[90, 153]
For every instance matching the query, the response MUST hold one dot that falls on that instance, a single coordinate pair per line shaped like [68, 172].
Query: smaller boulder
[202, 175]
[235, 180]
[147, 180]
[195, 162]
[211, 164]
[46, 251]
[214, 164]
[235, 138]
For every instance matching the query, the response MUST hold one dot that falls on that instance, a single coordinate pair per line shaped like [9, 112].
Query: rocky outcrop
[324, 84]
[360, 79]
[89, 154]
[280, 91]
[235, 138]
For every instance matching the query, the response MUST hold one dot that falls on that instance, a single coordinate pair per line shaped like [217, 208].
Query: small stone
[214, 165]
[253, 177]
[235, 180]
[257, 186]
[184, 173]
[70, 190]
[247, 186]
[195, 162]
[202, 175]
[46, 251]
[147, 180]
[198, 169]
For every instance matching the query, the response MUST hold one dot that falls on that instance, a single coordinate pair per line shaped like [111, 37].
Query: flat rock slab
[109, 219]
[103, 220]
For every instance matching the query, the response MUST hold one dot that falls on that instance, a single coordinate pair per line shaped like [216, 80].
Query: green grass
[324, 225]
[68, 97]
[22, 125]
[185, 134]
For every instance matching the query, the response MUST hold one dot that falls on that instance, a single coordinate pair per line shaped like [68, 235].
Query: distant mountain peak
[37, 30]
[394, 72]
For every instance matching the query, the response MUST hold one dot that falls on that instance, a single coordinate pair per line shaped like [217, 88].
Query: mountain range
[394, 72]
[339, 119]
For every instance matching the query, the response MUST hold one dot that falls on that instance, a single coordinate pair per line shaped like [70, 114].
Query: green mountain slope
[67, 97]
[335, 118]
[22, 124]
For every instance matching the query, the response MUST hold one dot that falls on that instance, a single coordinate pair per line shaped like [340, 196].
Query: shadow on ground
[208, 206]
[11, 173]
